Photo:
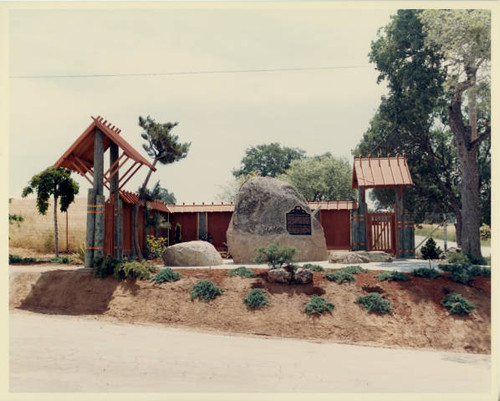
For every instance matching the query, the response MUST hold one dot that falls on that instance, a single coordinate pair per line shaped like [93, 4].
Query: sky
[324, 105]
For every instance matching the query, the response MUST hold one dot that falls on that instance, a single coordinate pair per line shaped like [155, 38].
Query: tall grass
[439, 233]
[36, 232]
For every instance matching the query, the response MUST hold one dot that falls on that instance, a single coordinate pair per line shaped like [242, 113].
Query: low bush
[430, 250]
[104, 267]
[156, 246]
[464, 273]
[476, 259]
[241, 271]
[456, 304]
[353, 269]
[14, 259]
[313, 267]
[485, 232]
[457, 258]
[205, 290]
[318, 305]
[62, 260]
[373, 302]
[391, 276]
[256, 299]
[340, 277]
[275, 256]
[166, 275]
[426, 272]
[132, 270]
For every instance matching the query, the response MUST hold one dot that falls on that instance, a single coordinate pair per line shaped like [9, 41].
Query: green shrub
[456, 304]
[275, 256]
[241, 271]
[464, 273]
[256, 299]
[313, 267]
[391, 276]
[156, 246]
[166, 275]
[318, 305]
[426, 272]
[14, 259]
[104, 267]
[340, 277]
[80, 252]
[132, 270]
[430, 251]
[62, 260]
[457, 258]
[476, 259]
[205, 290]
[353, 269]
[373, 302]
[178, 233]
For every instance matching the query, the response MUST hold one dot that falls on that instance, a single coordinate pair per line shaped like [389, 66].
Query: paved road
[51, 353]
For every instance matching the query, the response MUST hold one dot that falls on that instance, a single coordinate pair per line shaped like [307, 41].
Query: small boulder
[192, 253]
[303, 276]
[376, 256]
[347, 258]
[279, 275]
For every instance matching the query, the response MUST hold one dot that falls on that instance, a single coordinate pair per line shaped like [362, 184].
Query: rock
[347, 258]
[449, 251]
[279, 275]
[259, 220]
[193, 253]
[376, 256]
[303, 276]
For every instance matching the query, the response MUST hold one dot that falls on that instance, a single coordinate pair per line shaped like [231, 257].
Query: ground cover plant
[62, 260]
[241, 271]
[256, 299]
[457, 304]
[373, 302]
[104, 267]
[318, 305]
[166, 275]
[426, 272]
[340, 277]
[275, 256]
[391, 276]
[353, 269]
[463, 273]
[457, 258]
[132, 270]
[313, 267]
[205, 290]
[14, 259]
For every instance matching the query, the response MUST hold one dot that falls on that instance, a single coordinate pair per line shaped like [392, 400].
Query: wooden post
[67, 233]
[134, 224]
[399, 222]
[98, 241]
[117, 206]
[99, 227]
[359, 235]
[89, 238]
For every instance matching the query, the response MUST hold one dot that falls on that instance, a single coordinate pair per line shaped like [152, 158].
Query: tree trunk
[56, 233]
[470, 211]
[139, 201]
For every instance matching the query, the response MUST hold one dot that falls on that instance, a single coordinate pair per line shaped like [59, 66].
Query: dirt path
[67, 353]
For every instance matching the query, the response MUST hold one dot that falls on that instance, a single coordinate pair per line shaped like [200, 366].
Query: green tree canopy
[56, 182]
[163, 147]
[268, 160]
[321, 178]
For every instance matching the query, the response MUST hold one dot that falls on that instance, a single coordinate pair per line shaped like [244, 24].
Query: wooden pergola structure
[392, 232]
[86, 157]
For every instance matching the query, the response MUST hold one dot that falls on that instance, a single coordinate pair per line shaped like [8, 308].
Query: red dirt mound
[418, 320]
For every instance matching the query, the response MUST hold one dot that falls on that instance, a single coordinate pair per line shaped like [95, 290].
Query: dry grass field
[36, 232]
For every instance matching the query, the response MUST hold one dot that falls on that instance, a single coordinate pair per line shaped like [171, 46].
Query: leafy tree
[54, 182]
[268, 160]
[162, 146]
[229, 191]
[320, 178]
[158, 193]
[464, 39]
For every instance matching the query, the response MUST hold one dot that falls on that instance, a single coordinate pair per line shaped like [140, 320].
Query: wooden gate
[381, 232]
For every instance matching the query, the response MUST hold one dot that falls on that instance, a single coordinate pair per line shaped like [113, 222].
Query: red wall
[217, 224]
[337, 228]
[189, 225]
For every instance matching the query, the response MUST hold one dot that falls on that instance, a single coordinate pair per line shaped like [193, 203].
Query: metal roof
[80, 155]
[373, 172]
[334, 205]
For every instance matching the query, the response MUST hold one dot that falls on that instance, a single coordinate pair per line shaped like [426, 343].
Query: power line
[157, 74]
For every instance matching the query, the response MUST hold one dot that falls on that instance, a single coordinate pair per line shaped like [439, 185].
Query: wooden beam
[112, 168]
[131, 175]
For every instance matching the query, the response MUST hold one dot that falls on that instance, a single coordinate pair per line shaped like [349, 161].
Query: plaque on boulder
[298, 222]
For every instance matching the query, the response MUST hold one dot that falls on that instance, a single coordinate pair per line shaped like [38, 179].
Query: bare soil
[418, 320]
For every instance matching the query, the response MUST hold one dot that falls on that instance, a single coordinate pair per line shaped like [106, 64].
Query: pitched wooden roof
[334, 205]
[380, 172]
[80, 155]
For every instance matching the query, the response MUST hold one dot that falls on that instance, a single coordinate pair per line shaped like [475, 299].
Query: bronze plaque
[298, 222]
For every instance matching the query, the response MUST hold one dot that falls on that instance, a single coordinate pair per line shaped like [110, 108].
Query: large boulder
[193, 253]
[260, 219]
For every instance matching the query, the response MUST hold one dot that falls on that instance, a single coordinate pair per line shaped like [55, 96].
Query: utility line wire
[155, 74]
